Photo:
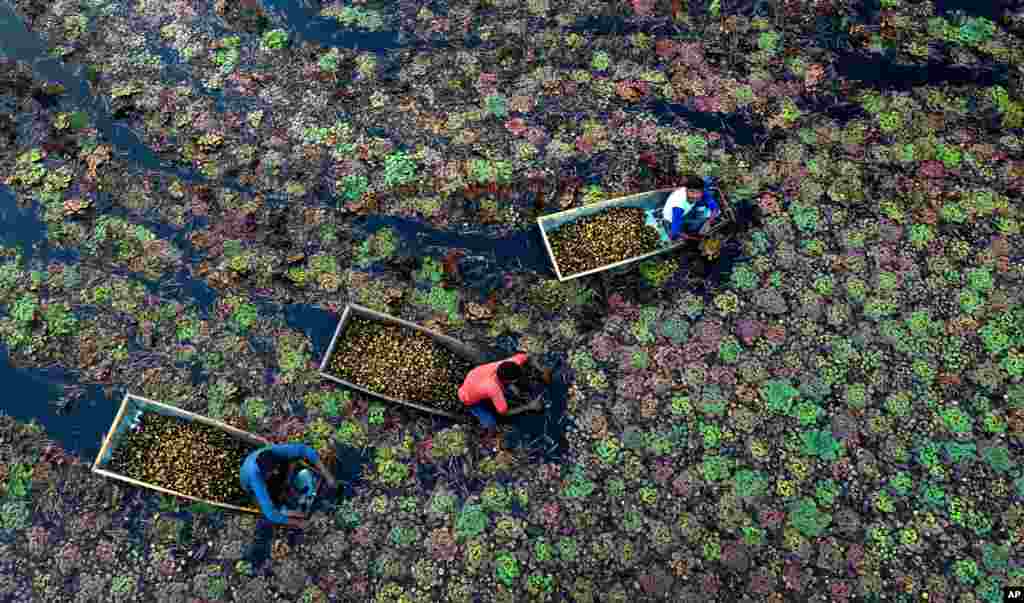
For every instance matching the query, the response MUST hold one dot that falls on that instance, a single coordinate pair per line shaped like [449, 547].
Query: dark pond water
[29, 394]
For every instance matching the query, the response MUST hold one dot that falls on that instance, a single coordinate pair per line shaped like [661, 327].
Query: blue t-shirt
[252, 477]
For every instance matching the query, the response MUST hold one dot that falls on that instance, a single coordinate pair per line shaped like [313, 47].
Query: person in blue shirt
[270, 473]
[690, 208]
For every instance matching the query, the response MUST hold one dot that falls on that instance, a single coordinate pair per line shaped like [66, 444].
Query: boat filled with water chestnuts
[608, 234]
[398, 361]
[164, 448]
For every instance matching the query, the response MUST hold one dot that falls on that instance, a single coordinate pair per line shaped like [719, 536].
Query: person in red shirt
[488, 382]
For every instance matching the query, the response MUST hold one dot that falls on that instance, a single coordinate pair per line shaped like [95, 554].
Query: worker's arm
[497, 396]
[259, 490]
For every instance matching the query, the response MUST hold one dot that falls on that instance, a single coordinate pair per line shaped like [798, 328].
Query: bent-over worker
[689, 208]
[271, 472]
[487, 382]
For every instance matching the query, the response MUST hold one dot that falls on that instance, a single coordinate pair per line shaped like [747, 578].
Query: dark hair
[693, 181]
[275, 470]
[509, 371]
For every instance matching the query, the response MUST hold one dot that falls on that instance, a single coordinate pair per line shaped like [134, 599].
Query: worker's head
[694, 187]
[509, 372]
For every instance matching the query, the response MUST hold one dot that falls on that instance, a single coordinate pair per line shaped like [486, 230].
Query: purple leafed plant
[710, 583]
[761, 583]
[709, 331]
[931, 169]
[771, 518]
[551, 515]
[602, 346]
[723, 375]
[734, 555]
[667, 357]
[748, 329]
[695, 351]
[632, 387]
[683, 485]
[663, 472]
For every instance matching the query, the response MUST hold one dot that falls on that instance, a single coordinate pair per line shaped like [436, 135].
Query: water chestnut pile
[400, 363]
[186, 457]
[611, 236]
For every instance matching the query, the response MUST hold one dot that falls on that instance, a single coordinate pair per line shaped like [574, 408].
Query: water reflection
[20, 227]
[29, 394]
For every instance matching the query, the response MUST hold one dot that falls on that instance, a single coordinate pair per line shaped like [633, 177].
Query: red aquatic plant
[855, 557]
[450, 267]
[666, 48]
[516, 126]
[55, 455]
[710, 583]
[771, 518]
[931, 169]
[663, 472]
[551, 515]
[761, 582]
[794, 577]
[284, 428]
[840, 590]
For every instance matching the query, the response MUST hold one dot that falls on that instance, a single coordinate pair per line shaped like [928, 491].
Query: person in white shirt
[683, 210]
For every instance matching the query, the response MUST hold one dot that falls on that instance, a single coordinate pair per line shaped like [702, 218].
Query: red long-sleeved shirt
[482, 383]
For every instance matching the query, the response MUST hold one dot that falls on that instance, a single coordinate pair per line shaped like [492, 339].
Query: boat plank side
[239, 434]
[342, 321]
[142, 484]
[413, 405]
[456, 346]
[110, 432]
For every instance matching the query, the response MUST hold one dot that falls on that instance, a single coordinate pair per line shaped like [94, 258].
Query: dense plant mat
[186, 457]
[599, 240]
[400, 363]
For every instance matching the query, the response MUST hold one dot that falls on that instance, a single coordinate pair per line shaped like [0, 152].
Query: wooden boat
[132, 407]
[463, 350]
[650, 200]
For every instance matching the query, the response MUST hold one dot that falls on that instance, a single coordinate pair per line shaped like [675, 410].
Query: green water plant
[497, 105]
[19, 480]
[399, 169]
[821, 443]
[805, 516]
[779, 395]
[506, 568]
[471, 521]
[275, 39]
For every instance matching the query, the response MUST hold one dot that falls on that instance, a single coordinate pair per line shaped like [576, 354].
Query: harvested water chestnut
[400, 363]
[601, 239]
[186, 457]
